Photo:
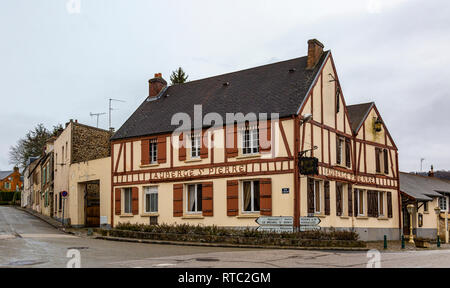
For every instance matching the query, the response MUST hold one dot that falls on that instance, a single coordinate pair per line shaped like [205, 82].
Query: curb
[162, 242]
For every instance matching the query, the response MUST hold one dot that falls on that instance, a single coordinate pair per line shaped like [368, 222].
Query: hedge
[6, 196]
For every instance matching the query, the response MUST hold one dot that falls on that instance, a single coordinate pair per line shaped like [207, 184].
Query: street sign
[309, 228]
[64, 193]
[276, 229]
[273, 220]
[309, 221]
[284, 190]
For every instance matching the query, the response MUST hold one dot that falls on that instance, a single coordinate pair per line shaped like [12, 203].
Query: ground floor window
[361, 204]
[151, 199]
[250, 196]
[194, 198]
[317, 198]
[127, 200]
[381, 203]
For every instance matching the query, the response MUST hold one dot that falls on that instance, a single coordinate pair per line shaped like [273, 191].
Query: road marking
[164, 265]
[7, 236]
[47, 236]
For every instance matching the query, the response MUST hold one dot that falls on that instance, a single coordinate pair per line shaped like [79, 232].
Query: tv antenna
[110, 109]
[96, 114]
[421, 161]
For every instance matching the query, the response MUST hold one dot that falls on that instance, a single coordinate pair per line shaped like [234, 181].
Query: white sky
[56, 65]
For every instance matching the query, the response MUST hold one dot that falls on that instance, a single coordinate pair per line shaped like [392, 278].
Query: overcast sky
[57, 64]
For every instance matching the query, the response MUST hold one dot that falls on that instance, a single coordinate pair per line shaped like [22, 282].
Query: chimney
[156, 85]
[315, 50]
[431, 173]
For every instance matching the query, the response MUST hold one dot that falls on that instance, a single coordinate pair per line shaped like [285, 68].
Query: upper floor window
[343, 151]
[250, 140]
[250, 196]
[153, 151]
[7, 185]
[381, 160]
[338, 100]
[194, 198]
[195, 145]
[443, 203]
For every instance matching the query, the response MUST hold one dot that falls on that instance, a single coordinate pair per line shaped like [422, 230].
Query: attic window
[226, 84]
[292, 70]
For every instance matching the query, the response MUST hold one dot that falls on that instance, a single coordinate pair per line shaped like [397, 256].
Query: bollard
[403, 241]
[385, 242]
[438, 242]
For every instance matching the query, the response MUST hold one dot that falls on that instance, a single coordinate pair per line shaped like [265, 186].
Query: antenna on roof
[96, 114]
[110, 109]
[421, 162]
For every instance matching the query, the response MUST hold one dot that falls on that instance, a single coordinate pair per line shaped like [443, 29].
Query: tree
[31, 145]
[178, 76]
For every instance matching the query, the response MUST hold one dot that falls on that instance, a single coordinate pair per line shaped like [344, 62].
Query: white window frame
[446, 203]
[148, 191]
[252, 197]
[381, 203]
[195, 199]
[125, 192]
[318, 184]
[153, 151]
[253, 141]
[341, 145]
[363, 202]
[195, 145]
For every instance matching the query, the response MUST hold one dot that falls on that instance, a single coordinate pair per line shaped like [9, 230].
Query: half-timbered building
[232, 173]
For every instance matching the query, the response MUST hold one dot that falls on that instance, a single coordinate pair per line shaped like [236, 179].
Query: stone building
[228, 171]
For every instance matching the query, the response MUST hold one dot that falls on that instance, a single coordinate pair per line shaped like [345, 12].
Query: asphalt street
[26, 241]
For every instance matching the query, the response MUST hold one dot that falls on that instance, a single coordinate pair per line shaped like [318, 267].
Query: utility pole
[421, 161]
[96, 114]
[110, 109]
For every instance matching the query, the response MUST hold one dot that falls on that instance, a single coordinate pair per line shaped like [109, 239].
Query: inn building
[232, 173]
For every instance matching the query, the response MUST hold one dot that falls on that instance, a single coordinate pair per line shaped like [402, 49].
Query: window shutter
[370, 208]
[338, 199]
[386, 161]
[207, 199]
[355, 202]
[350, 200]
[182, 148]
[162, 158]
[265, 137]
[232, 147]
[265, 196]
[177, 200]
[338, 151]
[203, 146]
[117, 200]
[310, 196]
[377, 159]
[347, 152]
[135, 200]
[327, 197]
[389, 204]
[145, 152]
[232, 197]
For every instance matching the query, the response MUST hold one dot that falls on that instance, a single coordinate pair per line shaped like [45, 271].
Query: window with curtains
[153, 151]
[381, 203]
[343, 151]
[250, 196]
[339, 199]
[382, 160]
[361, 203]
[195, 145]
[317, 197]
[151, 199]
[250, 138]
[194, 198]
[127, 200]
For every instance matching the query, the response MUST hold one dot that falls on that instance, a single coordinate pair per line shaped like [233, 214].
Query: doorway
[92, 203]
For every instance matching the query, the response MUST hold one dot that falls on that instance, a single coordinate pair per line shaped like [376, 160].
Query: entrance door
[92, 204]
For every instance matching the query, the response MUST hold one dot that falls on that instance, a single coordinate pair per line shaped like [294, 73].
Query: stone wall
[89, 143]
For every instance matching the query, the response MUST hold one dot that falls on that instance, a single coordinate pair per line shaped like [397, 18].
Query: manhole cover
[25, 263]
[78, 248]
[207, 259]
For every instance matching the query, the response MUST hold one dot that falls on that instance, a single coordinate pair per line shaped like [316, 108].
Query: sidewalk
[53, 222]
[396, 246]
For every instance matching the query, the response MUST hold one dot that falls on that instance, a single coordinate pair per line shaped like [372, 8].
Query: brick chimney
[315, 50]
[156, 84]
[431, 173]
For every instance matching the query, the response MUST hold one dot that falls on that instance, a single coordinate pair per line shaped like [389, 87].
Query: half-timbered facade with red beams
[232, 173]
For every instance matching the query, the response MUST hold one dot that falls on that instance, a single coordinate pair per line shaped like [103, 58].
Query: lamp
[410, 208]
[306, 118]
[378, 125]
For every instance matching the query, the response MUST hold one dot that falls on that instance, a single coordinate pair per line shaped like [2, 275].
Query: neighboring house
[425, 193]
[47, 181]
[11, 180]
[230, 175]
[27, 192]
[81, 165]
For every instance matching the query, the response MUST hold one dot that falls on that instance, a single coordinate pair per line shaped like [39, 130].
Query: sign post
[281, 224]
[64, 195]
[309, 224]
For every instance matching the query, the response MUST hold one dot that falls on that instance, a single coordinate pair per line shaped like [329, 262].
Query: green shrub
[6, 196]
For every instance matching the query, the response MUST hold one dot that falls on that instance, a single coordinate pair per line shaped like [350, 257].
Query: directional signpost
[309, 224]
[282, 224]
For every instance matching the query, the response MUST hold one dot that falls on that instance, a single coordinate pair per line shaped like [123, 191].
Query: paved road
[28, 242]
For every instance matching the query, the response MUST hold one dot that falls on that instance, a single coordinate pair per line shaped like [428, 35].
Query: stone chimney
[431, 173]
[315, 50]
[156, 84]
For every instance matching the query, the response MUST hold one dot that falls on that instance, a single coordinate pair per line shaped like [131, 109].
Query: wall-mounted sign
[285, 191]
[64, 193]
[308, 166]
